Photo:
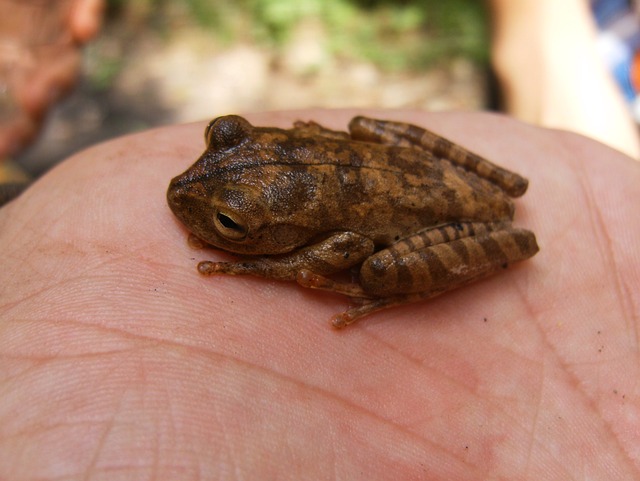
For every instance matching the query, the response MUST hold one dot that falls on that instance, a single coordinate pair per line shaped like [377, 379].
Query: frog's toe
[309, 279]
[364, 308]
[207, 268]
[341, 320]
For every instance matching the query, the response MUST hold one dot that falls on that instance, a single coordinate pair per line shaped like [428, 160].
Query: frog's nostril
[174, 197]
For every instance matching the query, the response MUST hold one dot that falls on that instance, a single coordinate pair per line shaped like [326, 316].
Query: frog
[386, 213]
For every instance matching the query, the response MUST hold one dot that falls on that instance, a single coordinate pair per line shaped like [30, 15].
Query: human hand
[119, 361]
[39, 61]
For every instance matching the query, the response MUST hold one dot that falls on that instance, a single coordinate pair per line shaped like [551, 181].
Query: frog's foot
[195, 242]
[210, 268]
[351, 315]
[364, 303]
[309, 279]
[365, 307]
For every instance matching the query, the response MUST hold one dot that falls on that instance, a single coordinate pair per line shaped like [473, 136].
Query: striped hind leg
[429, 263]
[408, 135]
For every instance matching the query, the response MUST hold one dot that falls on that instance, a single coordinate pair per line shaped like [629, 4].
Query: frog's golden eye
[230, 225]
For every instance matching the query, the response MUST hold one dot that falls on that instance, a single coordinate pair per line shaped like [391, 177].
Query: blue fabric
[620, 41]
[607, 11]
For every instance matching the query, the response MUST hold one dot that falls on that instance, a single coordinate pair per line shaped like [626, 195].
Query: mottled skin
[415, 214]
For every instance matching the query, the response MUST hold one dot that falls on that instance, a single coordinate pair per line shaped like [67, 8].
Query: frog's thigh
[444, 266]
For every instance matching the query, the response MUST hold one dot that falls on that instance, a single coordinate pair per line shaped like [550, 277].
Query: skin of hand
[562, 81]
[118, 361]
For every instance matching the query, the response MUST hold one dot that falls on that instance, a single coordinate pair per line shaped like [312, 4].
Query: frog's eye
[208, 129]
[226, 132]
[230, 225]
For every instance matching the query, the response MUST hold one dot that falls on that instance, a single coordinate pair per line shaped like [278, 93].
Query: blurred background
[158, 62]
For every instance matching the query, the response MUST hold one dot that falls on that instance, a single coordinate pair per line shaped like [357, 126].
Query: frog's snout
[182, 188]
[184, 198]
[174, 193]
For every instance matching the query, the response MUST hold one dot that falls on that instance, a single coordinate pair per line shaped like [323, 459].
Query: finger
[86, 19]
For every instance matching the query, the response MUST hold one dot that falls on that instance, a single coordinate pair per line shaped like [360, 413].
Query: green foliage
[395, 34]
[275, 19]
[410, 34]
[104, 71]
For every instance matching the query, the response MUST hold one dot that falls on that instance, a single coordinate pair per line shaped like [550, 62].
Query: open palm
[119, 361]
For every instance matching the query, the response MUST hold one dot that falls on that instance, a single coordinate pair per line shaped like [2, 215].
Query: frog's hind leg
[425, 265]
[311, 280]
[366, 307]
[428, 237]
[435, 261]
[415, 265]
[365, 304]
[408, 135]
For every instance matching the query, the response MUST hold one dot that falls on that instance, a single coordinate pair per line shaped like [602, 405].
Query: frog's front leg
[429, 263]
[337, 252]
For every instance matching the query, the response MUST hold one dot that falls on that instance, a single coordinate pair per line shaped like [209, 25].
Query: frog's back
[395, 191]
[384, 192]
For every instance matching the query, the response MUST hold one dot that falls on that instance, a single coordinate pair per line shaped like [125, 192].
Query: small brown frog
[412, 213]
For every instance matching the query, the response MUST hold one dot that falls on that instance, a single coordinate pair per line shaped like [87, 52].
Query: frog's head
[221, 198]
